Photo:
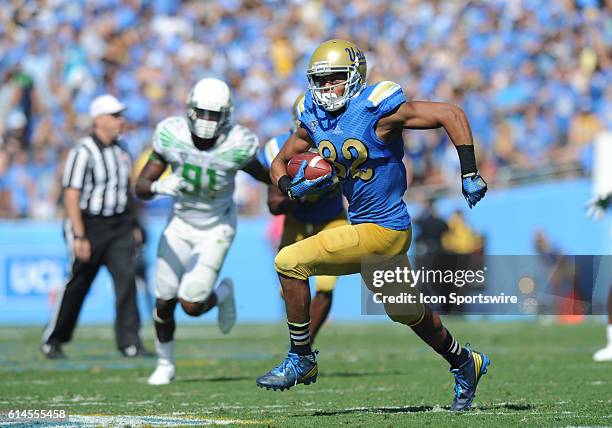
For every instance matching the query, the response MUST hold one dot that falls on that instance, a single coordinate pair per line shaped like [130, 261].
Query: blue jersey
[371, 171]
[316, 208]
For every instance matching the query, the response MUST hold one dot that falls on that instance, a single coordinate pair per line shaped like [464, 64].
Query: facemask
[204, 128]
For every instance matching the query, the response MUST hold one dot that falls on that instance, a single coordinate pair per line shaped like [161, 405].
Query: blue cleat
[295, 369]
[466, 379]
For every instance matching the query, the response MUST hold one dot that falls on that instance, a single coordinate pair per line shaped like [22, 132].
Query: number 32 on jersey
[353, 151]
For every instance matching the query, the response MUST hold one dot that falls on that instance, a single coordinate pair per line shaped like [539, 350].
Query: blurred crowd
[534, 76]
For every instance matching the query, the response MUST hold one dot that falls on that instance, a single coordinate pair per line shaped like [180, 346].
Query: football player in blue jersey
[358, 128]
[305, 217]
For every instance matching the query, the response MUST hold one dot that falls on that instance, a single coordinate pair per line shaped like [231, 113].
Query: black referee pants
[112, 245]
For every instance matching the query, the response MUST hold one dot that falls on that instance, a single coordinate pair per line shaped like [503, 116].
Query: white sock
[222, 292]
[165, 352]
[609, 334]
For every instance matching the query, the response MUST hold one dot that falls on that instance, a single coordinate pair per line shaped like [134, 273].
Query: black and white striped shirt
[102, 173]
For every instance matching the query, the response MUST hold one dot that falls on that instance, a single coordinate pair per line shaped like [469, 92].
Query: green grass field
[370, 375]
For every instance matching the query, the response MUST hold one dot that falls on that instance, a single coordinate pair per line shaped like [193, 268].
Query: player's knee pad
[167, 281]
[325, 283]
[411, 315]
[197, 284]
[287, 263]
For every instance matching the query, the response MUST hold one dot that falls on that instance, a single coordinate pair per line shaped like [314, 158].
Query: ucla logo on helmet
[355, 55]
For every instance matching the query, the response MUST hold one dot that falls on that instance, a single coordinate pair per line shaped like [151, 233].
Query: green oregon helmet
[295, 123]
[335, 56]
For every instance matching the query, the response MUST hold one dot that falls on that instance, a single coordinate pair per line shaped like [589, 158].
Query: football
[317, 165]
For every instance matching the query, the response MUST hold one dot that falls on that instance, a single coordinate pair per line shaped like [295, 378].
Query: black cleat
[52, 351]
[466, 379]
[293, 370]
[136, 351]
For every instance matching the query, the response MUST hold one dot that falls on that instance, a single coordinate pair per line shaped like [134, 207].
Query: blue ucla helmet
[334, 56]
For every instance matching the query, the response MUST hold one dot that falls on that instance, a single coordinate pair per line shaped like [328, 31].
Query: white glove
[596, 207]
[171, 185]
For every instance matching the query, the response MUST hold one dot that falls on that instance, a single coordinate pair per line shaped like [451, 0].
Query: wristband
[284, 183]
[78, 237]
[467, 159]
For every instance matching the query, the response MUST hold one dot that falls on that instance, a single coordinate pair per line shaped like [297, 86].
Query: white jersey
[602, 165]
[211, 172]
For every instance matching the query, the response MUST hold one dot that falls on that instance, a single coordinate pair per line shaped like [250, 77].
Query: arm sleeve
[247, 149]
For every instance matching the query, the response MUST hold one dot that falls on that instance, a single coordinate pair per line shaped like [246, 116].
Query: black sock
[299, 333]
[452, 351]
[164, 329]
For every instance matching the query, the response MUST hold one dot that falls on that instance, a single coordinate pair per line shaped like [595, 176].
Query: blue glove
[300, 186]
[474, 189]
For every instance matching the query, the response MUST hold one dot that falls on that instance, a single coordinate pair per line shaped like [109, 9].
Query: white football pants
[189, 259]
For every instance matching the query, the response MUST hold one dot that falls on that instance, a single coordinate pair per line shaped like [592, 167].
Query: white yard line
[137, 421]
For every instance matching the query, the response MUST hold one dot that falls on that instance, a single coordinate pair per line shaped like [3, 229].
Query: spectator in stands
[19, 182]
[5, 201]
[431, 228]
[460, 238]
[525, 64]
[47, 189]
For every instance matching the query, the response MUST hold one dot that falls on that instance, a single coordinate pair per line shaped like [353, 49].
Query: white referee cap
[105, 104]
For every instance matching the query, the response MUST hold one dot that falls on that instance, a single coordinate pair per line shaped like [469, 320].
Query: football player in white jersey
[596, 208]
[204, 151]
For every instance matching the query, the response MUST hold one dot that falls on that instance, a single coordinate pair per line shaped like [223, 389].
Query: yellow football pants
[295, 231]
[341, 251]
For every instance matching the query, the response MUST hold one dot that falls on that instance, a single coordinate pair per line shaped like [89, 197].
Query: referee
[98, 231]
